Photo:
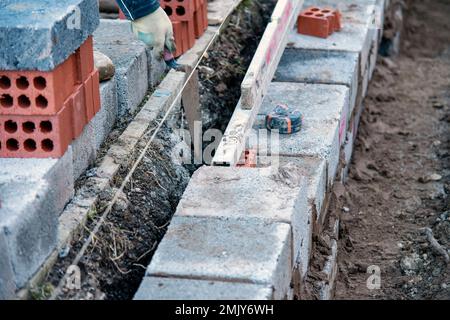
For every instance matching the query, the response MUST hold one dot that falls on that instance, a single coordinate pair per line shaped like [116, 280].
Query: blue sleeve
[135, 9]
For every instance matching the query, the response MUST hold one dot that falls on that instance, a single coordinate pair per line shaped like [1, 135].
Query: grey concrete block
[320, 67]
[314, 172]
[156, 68]
[33, 192]
[316, 102]
[57, 172]
[316, 139]
[248, 193]
[129, 55]
[324, 109]
[28, 224]
[84, 150]
[228, 250]
[356, 34]
[155, 288]
[104, 120]
[7, 285]
[39, 35]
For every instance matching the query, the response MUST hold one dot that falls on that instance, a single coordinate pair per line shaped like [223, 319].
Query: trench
[399, 178]
[115, 262]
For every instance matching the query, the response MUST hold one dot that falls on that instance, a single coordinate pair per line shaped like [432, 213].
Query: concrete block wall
[32, 194]
[136, 68]
[326, 79]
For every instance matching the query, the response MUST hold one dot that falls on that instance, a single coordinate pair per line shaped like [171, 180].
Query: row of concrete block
[34, 192]
[246, 233]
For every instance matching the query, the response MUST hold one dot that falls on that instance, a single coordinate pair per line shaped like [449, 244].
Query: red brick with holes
[319, 22]
[42, 112]
[36, 92]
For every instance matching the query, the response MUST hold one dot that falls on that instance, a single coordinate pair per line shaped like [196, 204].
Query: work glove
[156, 31]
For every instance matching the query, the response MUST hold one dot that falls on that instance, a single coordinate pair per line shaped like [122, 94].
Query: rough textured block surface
[129, 55]
[242, 193]
[320, 67]
[314, 172]
[105, 119]
[155, 288]
[33, 192]
[39, 35]
[248, 251]
[57, 172]
[28, 223]
[84, 151]
[7, 285]
[324, 109]
[316, 102]
[356, 34]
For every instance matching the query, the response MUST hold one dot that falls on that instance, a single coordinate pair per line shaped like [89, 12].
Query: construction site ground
[400, 175]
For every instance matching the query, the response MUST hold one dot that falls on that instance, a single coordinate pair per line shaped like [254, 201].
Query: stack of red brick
[189, 19]
[42, 112]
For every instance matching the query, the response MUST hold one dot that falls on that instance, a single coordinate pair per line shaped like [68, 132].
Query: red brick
[85, 59]
[79, 113]
[122, 15]
[36, 92]
[199, 18]
[96, 91]
[184, 33]
[179, 10]
[36, 136]
[248, 159]
[88, 99]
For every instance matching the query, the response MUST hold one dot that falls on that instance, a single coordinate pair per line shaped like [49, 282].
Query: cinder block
[105, 119]
[155, 288]
[84, 150]
[324, 122]
[316, 102]
[156, 68]
[28, 224]
[355, 36]
[321, 67]
[33, 193]
[57, 172]
[246, 193]
[129, 55]
[7, 285]
[39, 35]
[314, 172]
[230, 250]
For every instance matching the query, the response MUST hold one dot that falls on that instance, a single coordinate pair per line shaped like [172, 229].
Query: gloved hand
[156, 31]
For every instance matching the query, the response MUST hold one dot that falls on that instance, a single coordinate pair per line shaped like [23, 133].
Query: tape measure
[284, 119]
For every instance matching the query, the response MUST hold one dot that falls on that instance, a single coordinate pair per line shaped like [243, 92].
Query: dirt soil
[114, 265]
[400, 174]
[221, 73]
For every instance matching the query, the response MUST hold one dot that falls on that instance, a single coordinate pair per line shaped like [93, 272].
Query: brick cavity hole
[6, 101]
[22, 83]
[5, 82]
[12, 145]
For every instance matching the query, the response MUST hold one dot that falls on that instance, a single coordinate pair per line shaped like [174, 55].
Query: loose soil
[114, 265]
[400, 174]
